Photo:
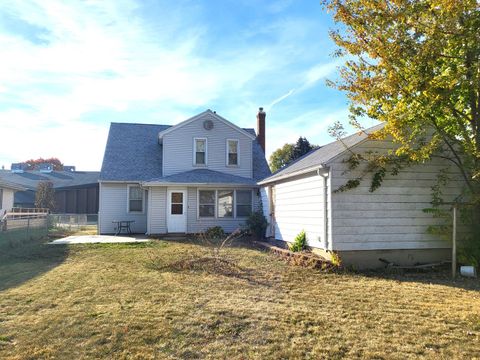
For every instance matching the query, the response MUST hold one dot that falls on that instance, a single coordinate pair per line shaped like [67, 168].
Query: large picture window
[200, 153]
[225, 203]
[206, 203]
[135, 199]
[244, 203]
[232, 152]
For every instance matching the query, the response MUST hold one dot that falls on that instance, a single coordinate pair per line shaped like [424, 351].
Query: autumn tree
[415, 65]
[33, 163]
[289, 152]
[45, 196]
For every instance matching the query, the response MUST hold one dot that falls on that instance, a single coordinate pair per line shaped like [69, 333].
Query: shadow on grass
[28, 259]
[438, 276]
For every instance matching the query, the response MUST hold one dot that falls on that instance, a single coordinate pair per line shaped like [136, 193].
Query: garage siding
[299, 205]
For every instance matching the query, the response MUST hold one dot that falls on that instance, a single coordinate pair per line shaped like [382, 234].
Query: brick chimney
[261, 128]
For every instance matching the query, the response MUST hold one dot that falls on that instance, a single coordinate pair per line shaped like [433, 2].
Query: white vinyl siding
[178, 148]
[265, 203]
[299, 206]
[392, 216]
[157, 210]
[114, 207]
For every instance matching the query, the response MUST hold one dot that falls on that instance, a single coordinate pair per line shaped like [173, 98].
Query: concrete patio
[100, 239]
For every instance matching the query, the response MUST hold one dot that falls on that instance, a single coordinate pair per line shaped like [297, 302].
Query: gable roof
[133, 153]
[206, 113]
[29, 180]
[322, 156]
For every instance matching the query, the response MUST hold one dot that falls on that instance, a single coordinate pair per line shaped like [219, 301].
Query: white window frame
[235, 203]
[128, 199]
[226, 153]
[198, 204]
[194, 160]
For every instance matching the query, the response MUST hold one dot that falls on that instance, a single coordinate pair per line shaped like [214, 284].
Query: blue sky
[68, 69]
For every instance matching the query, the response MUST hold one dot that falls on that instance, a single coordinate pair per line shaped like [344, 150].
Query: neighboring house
[76, 192]
[361, 226]
[200, 173]
[7, 191]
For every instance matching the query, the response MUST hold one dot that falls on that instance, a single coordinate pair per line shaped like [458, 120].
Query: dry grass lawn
[120, 301]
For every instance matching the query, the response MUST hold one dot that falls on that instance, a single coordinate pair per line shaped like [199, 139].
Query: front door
[177, 211]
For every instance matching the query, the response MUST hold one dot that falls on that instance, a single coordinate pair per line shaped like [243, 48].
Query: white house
[361, 226]
[185, 178]
[7, 192]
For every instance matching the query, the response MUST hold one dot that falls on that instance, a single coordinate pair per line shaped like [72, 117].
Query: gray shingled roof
[134, 154]
[10, 185]
[60, 179]
[204, 176]
[321, 156]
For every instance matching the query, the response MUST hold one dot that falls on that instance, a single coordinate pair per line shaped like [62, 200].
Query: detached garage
[361, 226]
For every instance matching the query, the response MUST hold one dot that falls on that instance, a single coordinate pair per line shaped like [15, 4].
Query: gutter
[157, 183]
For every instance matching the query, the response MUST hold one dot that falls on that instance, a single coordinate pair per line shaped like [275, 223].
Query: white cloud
[106, 56]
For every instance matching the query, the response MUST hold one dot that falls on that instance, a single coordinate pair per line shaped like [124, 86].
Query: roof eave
[13, 186]
[196, 117]
[275, 178]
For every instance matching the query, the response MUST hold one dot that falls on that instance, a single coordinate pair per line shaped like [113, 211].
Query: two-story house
[185, 178]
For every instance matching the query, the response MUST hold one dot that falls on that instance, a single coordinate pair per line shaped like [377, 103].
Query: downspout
[325, 207]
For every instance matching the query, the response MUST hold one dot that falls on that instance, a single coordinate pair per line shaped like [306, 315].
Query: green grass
[18, 237]
[129, 301]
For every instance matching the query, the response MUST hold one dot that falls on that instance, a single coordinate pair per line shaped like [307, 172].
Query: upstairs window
[200, 151]
[232, 152]
[135, 199]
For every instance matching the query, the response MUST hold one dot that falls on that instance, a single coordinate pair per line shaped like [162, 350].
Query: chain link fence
[73, 222]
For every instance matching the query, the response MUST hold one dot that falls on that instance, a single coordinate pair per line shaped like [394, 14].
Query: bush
[215, 232]
[300, 242]
[335, 259]
[257, 224]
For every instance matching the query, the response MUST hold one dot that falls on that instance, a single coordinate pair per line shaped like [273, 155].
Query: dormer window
[232, 152]
[200, 151]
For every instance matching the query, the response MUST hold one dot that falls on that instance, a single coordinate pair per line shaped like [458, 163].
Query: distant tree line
[34, 163]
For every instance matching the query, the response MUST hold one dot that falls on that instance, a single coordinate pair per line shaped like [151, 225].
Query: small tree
[289, 152]
[257, 224]
[302, 147]
[281, 157]
[45, 196]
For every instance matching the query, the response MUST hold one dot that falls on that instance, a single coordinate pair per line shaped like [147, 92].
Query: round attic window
[208, 124]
